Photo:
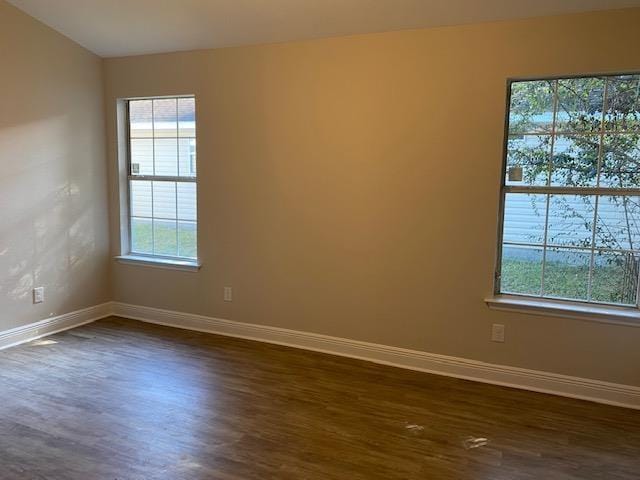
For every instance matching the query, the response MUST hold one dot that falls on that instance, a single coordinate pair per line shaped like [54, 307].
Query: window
[162, 178]
[571, 190]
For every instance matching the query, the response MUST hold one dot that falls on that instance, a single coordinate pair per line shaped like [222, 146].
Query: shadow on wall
[49, 222]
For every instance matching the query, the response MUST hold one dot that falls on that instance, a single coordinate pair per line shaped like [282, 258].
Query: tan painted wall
[53, 192]
[349, 186]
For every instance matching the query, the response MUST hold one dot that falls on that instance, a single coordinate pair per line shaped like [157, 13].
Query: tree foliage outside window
[571, 226]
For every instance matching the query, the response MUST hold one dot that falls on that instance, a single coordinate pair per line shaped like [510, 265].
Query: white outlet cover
[38, 295]
[497, 332]
[228, 294]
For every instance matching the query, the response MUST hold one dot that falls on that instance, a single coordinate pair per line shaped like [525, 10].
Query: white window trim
[628, 316]
[539, 305]
[159, 262]
[123, 151]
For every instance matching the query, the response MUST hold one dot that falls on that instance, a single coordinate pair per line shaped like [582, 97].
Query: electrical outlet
[497, 332]
[38, 295]
[228, 294]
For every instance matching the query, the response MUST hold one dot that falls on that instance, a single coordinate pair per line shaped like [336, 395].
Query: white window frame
[539, 304]
[128, 255]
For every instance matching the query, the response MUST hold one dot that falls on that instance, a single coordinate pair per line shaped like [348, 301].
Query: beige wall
[349, 186]
[53, 193]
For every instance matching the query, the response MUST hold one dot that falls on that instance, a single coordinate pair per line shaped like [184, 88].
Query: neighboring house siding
[164, 200]
[164, 194]
[571, 220]
[165, 150]
[570, 216]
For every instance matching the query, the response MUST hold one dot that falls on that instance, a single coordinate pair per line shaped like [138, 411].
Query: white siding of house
[570, 221]
[164, 200]
[524, 217]
[172, 158]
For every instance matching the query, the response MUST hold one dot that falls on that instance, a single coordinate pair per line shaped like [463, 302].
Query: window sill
[183, 265]
[629, 316]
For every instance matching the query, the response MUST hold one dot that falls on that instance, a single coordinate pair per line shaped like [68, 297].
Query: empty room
[320, 240]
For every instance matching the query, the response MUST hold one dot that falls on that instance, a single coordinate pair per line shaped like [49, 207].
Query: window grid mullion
[177, 236]
[178, 169]
[592, 250]
[186, 220]
[554, 246]
[548, 197]
[597, 198]
[128, 166]
[153, 222]
[553, 190]
[153, 153]
[162, 178]
[543, 133]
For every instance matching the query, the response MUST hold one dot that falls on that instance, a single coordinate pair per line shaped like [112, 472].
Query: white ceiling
[129, 27]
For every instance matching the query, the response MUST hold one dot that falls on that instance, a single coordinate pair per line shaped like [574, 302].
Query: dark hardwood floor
[119, 399]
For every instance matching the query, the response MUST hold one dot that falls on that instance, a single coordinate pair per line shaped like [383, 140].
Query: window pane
[187, 117]
[618, 225]
[140, 191]
[162, 143]
[568, 137]
[521, 270]
[615, 277]
[571, 220]
[141, 156]
[187, 209]
[580, 104]
[566, 273]
[165, 117]
[531, 107]
[140, 118]
[165, 241]
[524, 217]
[166, 156]
[164, 200]
[141, 236]
[575, 160]
[621, 161]
[187, 239]
[623, 103]
[187, 157]
[530, 153]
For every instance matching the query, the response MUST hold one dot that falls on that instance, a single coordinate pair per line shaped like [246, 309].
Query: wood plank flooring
[119, 399]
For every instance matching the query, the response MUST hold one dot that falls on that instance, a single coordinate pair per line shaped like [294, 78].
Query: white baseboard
[538, 381]
[49, 326]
